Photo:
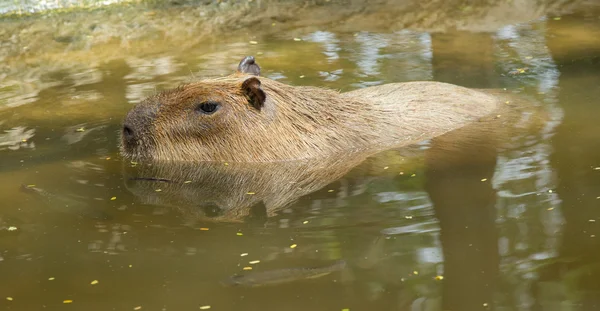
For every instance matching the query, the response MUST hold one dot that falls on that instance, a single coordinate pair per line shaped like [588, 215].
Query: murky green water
[515, 229]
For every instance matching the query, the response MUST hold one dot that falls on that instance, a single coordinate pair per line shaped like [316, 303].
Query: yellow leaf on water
[484, 179]
[439, 277]
[51, 279]
[330, 190]
[94, 282]
[239, 233]
[253, 262]
[81, 129]
[297, 39]
[253, 42]
[305, 222]
[247, 268]
[113, 198]
[187, 181]
[243, 254]
[293, 246]
[138, 308]
[204, 307]
[204, 229]
[158, 190]
[68, 301]
[9, 298]
[250, 192]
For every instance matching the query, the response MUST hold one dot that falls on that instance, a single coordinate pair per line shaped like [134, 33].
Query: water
[516, 229]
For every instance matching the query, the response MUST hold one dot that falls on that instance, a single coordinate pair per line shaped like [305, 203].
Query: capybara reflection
[248, 118]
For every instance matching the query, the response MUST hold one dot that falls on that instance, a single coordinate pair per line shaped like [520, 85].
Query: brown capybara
[247, 118]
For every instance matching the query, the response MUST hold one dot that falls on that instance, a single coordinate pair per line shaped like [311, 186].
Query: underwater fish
[281, 276]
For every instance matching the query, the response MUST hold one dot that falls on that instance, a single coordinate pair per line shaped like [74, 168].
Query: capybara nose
[137, 124]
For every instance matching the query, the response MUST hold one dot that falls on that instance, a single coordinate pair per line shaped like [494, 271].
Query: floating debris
[9, 298]
[330, 190]
[439, 277]
[297, 39]
[243, 254]
[113, 198]
[416, 272]
[138, 308]
[253, 42]
[158, 190]
[253, 262]
[187, 181]
[239, 234]
[302, 76]
[484, 179]
[385, 168]
[12, 228]
[413, 175]
[204, 229]
[67, 301]
[247, 268]
[306, 221]
[94, 282]
[293, 246]
[51, 279]
[251, 193]
[204, 307]
[81, 129]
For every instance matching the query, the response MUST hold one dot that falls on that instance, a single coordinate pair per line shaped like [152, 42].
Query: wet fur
[298, 122]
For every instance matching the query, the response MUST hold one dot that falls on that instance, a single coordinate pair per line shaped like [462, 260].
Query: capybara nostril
[128, 133]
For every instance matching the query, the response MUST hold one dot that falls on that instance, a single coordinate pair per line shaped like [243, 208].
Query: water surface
[514, 229]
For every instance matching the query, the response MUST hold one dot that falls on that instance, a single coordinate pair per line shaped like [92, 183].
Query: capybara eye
[208, 107]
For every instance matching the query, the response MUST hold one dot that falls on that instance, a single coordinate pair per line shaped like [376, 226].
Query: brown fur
[296, 122]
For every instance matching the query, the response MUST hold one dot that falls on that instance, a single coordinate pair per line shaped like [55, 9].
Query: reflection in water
[446, 225]
[17, 138]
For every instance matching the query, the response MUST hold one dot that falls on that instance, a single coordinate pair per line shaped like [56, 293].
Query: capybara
[248, 118]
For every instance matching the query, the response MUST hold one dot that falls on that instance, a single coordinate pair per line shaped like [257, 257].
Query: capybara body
[247, 118]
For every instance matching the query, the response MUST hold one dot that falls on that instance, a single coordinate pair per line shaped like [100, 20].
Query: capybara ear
[256, 96]
[249, 66]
